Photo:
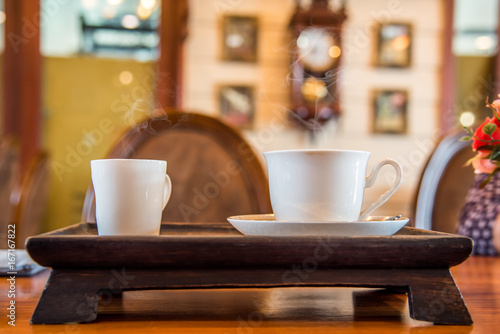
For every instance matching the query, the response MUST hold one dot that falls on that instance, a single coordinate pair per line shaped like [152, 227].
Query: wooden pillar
[448, 71]
[22, 75]
[173, 29]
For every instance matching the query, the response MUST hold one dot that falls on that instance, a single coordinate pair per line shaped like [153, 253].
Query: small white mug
[130, 195]
[323, 185]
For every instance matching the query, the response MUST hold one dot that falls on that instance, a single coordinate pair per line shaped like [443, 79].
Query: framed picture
[393, 45]
[239, 38]
[237, 105]
[390, 111]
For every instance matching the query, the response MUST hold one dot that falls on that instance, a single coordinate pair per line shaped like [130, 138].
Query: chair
[9, 176]
[31, 198]
[444, 185]
[214, 172]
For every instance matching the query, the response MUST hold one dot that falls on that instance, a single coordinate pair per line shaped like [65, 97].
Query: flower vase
[480, 213]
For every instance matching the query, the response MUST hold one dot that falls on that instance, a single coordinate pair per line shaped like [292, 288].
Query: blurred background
[406, 72]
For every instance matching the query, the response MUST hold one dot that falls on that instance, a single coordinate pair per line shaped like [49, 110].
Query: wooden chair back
[32, 198]
[214, 171]
[444, 185]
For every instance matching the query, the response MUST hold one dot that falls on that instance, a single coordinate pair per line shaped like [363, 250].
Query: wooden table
[281, 310]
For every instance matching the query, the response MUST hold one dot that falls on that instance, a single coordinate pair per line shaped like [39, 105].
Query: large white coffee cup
[130, 195]
[323, 185]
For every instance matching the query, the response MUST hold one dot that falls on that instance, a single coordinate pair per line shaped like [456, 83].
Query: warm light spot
[114, 2]
[126, 77]
[321, 92]
[148, 4]
[89, 4]
[143, 12]
[109, 12]
[302, 41]
[2, 17]
[467, 118]
[234, 40]
[314, 89]
[400, 43]
[334, 51]
[130, 21]
[484, 42]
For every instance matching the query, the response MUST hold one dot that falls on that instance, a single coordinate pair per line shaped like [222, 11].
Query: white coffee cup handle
[167, 191]
[370, 180]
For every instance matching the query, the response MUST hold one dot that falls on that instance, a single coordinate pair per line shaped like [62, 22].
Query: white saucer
[266, 225]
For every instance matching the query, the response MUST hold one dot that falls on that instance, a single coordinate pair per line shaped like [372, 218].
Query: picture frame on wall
[237, 105]
[239, 38]
[393, 45]
[390, 111]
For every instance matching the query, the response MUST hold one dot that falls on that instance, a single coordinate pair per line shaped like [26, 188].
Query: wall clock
[315, 62]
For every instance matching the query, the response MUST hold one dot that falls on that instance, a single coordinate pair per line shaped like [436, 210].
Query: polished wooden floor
[248, 311]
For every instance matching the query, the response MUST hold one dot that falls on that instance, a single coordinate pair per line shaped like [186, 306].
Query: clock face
[317, 49]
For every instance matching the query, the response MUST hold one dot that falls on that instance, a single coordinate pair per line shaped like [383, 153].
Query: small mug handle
[167, 191]
[370, 180]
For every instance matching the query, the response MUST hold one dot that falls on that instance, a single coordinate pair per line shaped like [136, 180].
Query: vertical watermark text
[11, 274]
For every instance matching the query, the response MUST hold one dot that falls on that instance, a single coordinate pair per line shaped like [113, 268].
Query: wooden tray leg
[435, 297]
[67, 298]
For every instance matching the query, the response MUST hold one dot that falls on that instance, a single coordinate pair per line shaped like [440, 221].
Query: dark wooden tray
[215, 255]
[219, 245]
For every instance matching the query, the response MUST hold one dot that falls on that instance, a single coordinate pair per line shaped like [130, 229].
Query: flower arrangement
[486, 142]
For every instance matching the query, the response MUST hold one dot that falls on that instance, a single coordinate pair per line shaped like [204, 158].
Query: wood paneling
[22, 75]
[173, 31]
[448, 70]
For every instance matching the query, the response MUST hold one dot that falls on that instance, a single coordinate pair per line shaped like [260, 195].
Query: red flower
[481, 139]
